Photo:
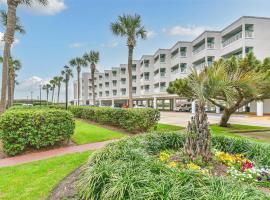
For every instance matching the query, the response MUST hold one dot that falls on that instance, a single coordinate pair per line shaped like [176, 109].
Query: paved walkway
[11, 161]
[181, 118]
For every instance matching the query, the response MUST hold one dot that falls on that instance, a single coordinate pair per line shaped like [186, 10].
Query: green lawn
[168, 127]
[88, 133]
[35, 180]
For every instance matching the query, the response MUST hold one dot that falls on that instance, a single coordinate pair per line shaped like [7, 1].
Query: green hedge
[129, 169]
[34, 128]
[132, 119]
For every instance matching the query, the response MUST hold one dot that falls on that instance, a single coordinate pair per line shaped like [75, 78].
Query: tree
[200, 86]
[47, 88]
[78, 63]
[58, 82]
[8, 41]
[67, 73]
[129, 26]
[11, 73]
[92, 58]
[247, 80]
[53, 84]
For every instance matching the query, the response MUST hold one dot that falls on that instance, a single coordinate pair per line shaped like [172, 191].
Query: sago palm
[129, 26]
[92, 58]
[78, 63]
[67, 74]
[9, 39]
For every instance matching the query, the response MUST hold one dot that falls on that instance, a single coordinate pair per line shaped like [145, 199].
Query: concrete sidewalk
[11, 161]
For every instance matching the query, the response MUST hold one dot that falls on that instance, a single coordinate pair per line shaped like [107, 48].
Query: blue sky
[68, 28]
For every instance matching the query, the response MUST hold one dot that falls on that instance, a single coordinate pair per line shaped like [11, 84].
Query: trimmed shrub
[34, 128]
[132, 119]
[130, 169]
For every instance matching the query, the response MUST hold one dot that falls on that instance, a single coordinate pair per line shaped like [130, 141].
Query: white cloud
[150, 34]
[185, 30]
[110, 45]
[53, 7]
[16, 41]
[31, 83]
[75, 45]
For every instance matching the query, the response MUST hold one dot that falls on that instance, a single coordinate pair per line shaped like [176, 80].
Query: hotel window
[134, 66]
[107, 75]
[134, 89]
[107, 84]
[162, 72]
[123, 91]
[134, 79]
[114, 82]
[107, 93]
[183, 67]
[146, 88]
[100, 94]
[114, 73]
[174, 53]
[146, 63]
[100, 77]
[100, 85]
[162, 58]
[123, 80]
[123, 70]
[114, 92]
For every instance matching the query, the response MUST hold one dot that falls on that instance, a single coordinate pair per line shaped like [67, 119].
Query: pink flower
[247, 165]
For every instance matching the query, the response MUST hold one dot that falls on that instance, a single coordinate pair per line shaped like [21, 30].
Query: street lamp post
[40, 94]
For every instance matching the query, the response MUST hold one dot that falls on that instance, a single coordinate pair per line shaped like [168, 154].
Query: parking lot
[182, 118]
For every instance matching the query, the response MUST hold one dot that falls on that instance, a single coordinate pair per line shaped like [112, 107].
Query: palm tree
[129, 26]
[92, 58]
[58, 82]
[18, 28]
[67, 73]
[47, 88]
[78, 63]
[53, 84]
[9, 39]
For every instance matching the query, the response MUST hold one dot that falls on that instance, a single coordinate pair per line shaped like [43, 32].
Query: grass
[168, 127]
[243, 131]
[88, 133]
[35, 180]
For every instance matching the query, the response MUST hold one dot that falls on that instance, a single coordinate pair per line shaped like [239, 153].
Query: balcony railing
[175, 71]
[199, 49]
[183, 54]
[232, 39]
[248, 34]
[162, 74]
[210, 45]
[163, 89]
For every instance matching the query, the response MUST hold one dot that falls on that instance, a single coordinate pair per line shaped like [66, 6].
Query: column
[100, 103]
[174, 103]
[193, 107]
[112, 103]
[155, 102]
[217, 109]
[260, 108]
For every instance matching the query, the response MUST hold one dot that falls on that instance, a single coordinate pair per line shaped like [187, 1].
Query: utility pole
[40, 94]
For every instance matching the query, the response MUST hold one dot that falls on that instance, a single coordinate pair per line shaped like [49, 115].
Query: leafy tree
[245, 79]
[67, 73]
[9, 39]
[47, 88]
[129, 26]
[92, 58]
[78, 63]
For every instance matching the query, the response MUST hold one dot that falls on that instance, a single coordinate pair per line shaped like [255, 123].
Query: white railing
[210, 45]
[175, 71]
[232, 39]
[162, 74]
[199, 49]
[163, 89]
[183, 54]
[248, 34]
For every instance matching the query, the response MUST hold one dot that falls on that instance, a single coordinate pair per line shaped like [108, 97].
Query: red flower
[247, 165]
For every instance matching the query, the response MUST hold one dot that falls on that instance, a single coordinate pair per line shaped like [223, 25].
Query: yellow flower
[193, 166]
[163, 156]
[172, 164]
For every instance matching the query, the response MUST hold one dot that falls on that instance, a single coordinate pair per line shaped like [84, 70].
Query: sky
[68, 28]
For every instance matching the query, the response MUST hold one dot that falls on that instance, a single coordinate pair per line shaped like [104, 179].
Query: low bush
[129, 169]
[34, 128]
[133, 120]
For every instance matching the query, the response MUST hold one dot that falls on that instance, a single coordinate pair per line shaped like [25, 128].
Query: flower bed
[146, 167]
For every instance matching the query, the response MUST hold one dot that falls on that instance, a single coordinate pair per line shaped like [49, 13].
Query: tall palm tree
[67, 73]
[10, 80]
[9, 39]
[78, 63]
[129, 26]
[92, 58]
[14, 66]
[53, 85]
[47, 88]
[58, 82]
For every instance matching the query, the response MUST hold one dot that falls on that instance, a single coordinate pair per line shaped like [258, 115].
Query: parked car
[139, 106]
[184, 107]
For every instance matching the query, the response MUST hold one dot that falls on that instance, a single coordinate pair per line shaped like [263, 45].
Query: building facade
[152, 74]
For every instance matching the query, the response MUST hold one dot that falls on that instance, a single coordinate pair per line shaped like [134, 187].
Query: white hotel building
[153, 73]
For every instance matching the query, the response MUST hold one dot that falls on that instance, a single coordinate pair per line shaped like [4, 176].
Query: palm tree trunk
[130, 57]
[79, 85]
[12, 91]
[52, 94]
[58, 93]
[226, 116]
[8, 38]
[66, 93]
[47, 96]
[93, 83]
[10, 81]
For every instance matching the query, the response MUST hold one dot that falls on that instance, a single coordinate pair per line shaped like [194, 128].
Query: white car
[139, 106]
